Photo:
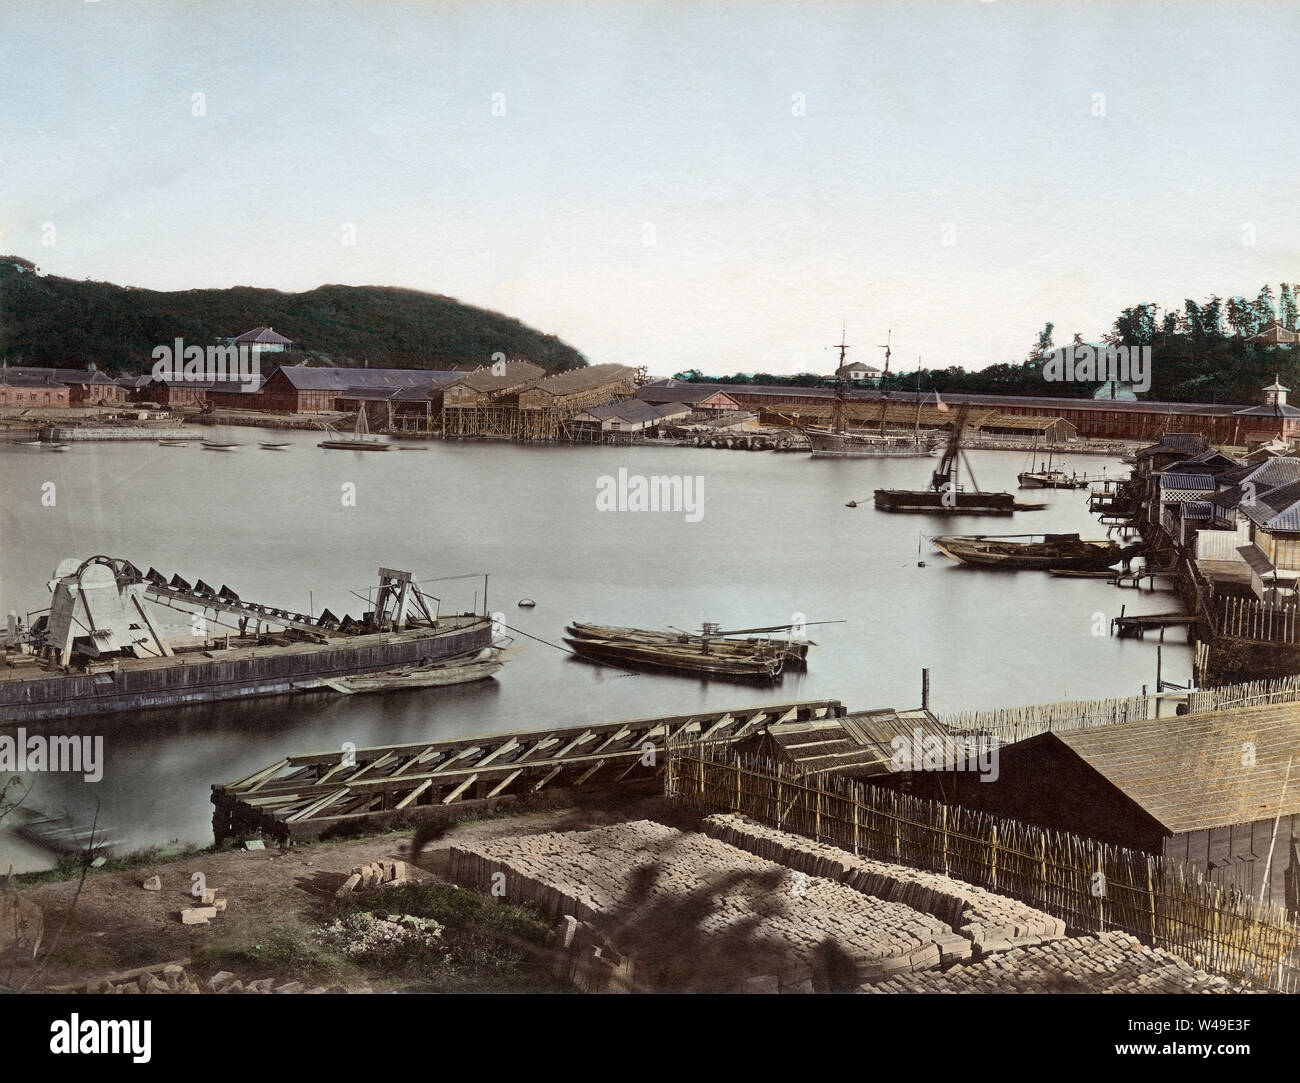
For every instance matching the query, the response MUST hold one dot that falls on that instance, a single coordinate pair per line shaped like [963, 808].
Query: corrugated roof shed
[1187, 772]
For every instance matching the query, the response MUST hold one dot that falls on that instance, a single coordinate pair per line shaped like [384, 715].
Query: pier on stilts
[307, 795]
[1136, 627]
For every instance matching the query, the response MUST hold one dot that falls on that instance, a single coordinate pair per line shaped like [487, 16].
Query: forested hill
[60, 321]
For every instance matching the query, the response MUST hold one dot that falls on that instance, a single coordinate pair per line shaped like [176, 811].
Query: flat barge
[99, 650]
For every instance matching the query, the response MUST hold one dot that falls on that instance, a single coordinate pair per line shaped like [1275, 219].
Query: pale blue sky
[770, 228]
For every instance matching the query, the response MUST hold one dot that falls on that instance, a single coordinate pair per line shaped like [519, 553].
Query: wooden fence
[1017, 723]
[1092, 886]
[1010, 724]
[1249, 618]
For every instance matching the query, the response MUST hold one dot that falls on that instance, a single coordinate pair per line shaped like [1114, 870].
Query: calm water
[775, 540]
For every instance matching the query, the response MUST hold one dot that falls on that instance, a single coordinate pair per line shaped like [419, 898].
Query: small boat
[54, 447]
[361, 439]
[1035, 551]
[172, 443]
[216, 445]
[267, 446]
[1045, 477]
[793, 651]
[459, 669]
[526, 603]
[704, 657]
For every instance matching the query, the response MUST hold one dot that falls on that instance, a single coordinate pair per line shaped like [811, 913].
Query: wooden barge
[305, 796]
[54, 670]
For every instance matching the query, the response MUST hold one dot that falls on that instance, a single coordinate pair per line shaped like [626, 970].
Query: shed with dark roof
[1219, 788]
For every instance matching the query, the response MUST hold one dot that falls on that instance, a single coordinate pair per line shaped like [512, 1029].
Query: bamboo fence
[1091, 885]
[1009, 724]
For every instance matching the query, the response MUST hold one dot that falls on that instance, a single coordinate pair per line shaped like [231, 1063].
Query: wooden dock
[1136, 627]
[304, 796]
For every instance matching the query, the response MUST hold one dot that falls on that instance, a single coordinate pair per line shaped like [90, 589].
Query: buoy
[920, 563]
[526, 603]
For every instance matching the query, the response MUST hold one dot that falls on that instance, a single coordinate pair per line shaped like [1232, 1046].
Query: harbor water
[758, 539]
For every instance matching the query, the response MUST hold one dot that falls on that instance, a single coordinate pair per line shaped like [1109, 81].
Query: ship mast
[837, 411]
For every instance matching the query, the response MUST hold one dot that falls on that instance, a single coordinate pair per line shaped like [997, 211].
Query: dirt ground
[116, 925]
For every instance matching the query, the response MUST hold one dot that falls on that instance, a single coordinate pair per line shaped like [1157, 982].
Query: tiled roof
[1196, 509]
[690, 394]
[1276, 509]
[1186, 481]
[1174, 441]
[64, 376]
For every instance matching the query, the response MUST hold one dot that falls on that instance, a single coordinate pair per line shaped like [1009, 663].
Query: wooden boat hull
[1064, 553]
[795, 650]
[354, 445]
[1049, 480]
[930, 502]
[684, 659]
[864, 446]
[460, 669]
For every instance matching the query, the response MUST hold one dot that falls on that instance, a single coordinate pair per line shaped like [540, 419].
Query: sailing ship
[945, 496]
[361, 439]
[1047, 552]
[458, 669]
[841, 442]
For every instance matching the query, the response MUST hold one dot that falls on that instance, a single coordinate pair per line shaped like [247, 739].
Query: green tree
[1286, 308]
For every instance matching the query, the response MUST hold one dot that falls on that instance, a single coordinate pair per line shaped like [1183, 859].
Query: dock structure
[526, 409]
[1136, 627]
[304, 796]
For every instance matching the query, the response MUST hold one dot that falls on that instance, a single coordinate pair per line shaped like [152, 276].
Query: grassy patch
[483, 946]
[283, 951]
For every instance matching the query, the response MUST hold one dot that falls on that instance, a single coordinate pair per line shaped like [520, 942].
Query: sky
[704, 185]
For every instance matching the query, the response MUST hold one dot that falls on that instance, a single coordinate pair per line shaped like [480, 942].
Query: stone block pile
[683, 903]
[1111, 962]
[980, 922]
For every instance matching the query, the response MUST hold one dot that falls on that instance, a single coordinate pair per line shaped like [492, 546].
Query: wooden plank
[459, 790]
[414, 794]
[589, 772]
[505, 782]
[316, 806]
[258, 775]
[509, 746]
[537, 786]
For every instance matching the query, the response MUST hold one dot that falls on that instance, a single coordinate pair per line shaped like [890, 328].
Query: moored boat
[945, 496]
[795, 651]
[1035, 551]
[703, 657]
[459, 669]
[361, 439]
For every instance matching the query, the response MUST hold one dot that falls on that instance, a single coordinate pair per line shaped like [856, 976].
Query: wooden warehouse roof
[856, 744]
[1187, 772]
